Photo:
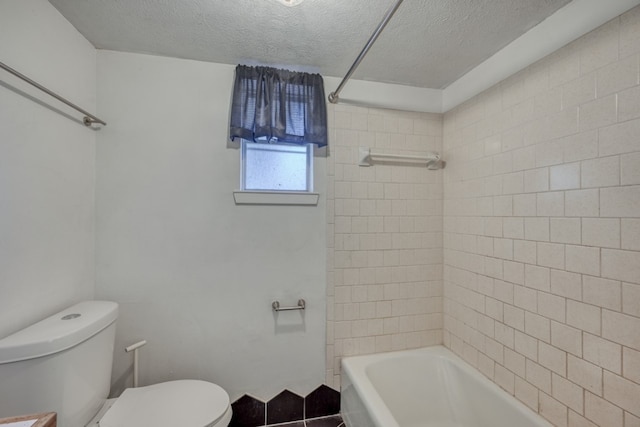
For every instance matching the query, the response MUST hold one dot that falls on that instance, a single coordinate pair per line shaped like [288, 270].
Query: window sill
[275, 198]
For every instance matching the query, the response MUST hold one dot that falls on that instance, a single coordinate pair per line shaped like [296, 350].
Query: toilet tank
[60, 364]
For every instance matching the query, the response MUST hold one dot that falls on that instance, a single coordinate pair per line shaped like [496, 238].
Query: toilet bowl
[188, 403]
[63, 364]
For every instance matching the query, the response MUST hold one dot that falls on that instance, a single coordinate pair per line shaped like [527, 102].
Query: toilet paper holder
[301, 306]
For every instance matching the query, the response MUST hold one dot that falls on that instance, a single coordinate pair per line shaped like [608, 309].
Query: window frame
[309, 163]
[277, 197]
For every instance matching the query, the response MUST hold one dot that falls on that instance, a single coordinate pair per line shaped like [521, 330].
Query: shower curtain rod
[88, 118]
[335, 95]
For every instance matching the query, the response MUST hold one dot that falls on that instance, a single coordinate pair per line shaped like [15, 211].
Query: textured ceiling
[428, 43]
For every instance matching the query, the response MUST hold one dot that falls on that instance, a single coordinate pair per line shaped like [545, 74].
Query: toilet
[63, 364]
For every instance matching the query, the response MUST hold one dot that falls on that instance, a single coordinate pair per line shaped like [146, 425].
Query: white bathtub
[427, 387]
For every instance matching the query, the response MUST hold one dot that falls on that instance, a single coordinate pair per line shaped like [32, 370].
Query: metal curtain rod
[335, 95]
[88, 119]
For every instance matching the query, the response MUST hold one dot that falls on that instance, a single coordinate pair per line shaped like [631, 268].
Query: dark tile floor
[333, 421]
[288, 409]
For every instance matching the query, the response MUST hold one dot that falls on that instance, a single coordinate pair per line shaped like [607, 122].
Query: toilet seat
[187, 403]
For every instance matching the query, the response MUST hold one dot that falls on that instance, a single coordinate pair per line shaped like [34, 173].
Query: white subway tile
[367, 310]
[631, 364]
[504, 334]
[629, 104]
[503, 205]
[603, 232]
[631, 234]
[493, 227]
[536, 80]
[584, 374]
[514, 317]
[579, 91]
[566, 284]
[601, 412]
[621, 328]
[566, 230]
[537, 326]
[620, 75]
[568, 393]
[536, 229]
[602, 292]
[602, 172]
[552, 358]
[581, 146]
[502, 163]
[524, 251]
[630, 169]
[503, 248]
[513, 183]
[503, 291]
[566, 338]
[524, 158]
[620, 138]
[536, 180]
[549, 153]
[551, 306]
[620, 201]
[511, 139]
[581, 203]
[526, 345]
[538, 375]
[553, 410]
[599, 113]
[577, 420]
[563, 123]
[631, 299]
[584, 316]
[599, 47]
[565, 66]
[630, 33]
[524, 205]
[624, 393]
[537, 278]
[564, 177]
[550, 204]
[583, 259]
[525, 298]
[551, 255]
[390, 325]
[513, 228]
[514, 272]
[621, 265]
[504, 379]
[602, 353]
[526, 393]
[631, 420]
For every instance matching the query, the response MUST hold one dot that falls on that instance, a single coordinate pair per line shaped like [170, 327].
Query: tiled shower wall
[384, 236]
[542, 231]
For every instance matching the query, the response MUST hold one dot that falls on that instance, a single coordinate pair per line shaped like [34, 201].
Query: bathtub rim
[356, 366]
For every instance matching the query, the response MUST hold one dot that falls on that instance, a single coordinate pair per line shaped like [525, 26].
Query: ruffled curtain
[278, 106]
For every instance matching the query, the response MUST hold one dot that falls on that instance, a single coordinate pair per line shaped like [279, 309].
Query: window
[278, 115]
[276, 167]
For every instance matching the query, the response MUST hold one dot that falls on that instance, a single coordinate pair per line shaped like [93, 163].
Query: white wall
[46, 166]
[194, 273]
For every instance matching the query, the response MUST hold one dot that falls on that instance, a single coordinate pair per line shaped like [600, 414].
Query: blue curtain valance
[278, 105]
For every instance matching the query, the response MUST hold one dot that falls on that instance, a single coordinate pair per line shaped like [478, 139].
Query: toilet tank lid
[59, 332]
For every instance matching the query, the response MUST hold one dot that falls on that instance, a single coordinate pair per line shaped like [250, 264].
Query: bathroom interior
[516, 249]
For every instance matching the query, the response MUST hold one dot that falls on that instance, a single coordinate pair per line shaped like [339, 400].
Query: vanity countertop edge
[47, 419]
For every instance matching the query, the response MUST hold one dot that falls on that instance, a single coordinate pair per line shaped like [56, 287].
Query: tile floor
[317, 409]
[333, 421]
